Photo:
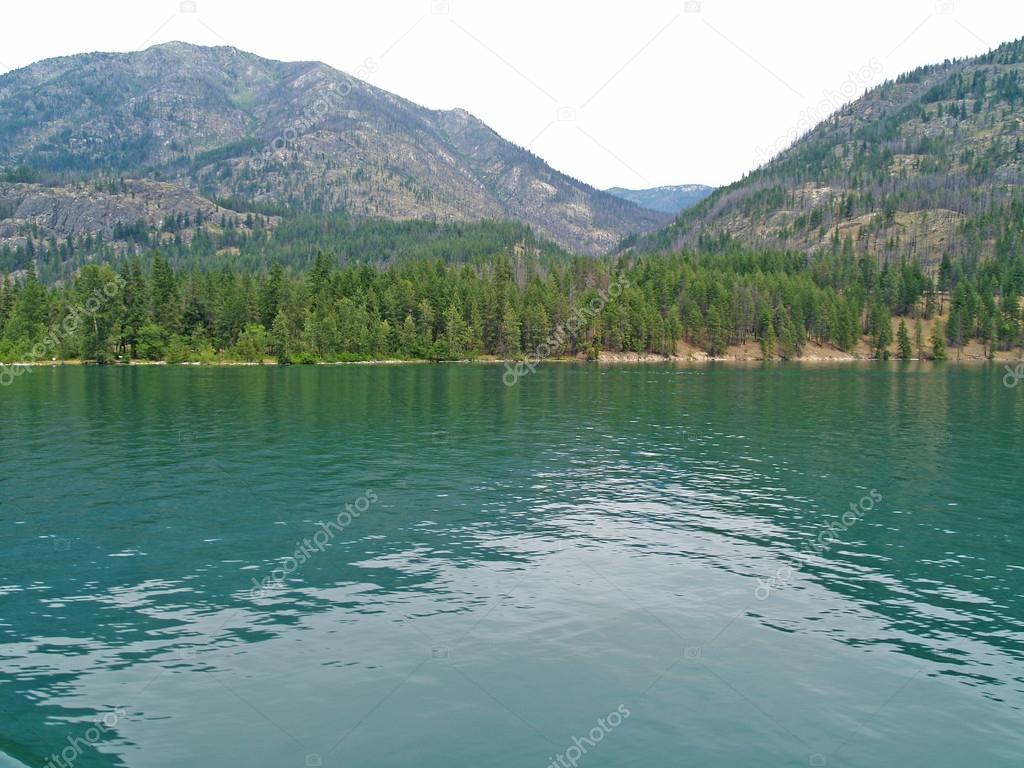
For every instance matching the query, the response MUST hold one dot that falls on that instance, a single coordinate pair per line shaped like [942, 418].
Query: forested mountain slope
[921, 167]
[236, 127]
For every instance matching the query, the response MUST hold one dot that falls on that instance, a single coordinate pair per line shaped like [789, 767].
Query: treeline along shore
[728, 304]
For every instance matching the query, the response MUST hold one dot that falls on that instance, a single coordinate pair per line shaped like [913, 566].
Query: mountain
[928, 165]
[671, 199]
[232, 126]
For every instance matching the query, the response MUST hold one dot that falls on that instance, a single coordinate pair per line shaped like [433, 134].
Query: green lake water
[600, 566]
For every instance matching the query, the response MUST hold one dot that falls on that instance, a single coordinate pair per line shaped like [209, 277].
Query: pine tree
[938, 341]
[164, 295]
[716, 341]
[535, 326]
[270, 294]
[98, 292]
[409, 340]
[881, 331]
[320, 332]
[991, 336]
[135, 306]
[425, 327]
[789, 339]
[285, 338]
[319, 280]
[6, 302]
[929, 303]
[694, 325]
[768, 340]
[30, 312]
[252, 343]
[903, 340]
[454, 343]
[509, 345]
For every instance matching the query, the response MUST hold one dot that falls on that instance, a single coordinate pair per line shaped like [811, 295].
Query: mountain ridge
[926, 166]
[230, 124]
[671, 199]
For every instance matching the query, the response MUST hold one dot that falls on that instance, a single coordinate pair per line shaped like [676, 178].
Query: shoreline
[605, 358]
[745, 352]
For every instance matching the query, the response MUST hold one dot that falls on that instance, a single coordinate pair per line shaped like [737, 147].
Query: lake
[416, 565]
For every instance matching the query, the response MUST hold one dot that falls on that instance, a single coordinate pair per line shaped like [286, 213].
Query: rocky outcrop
[78, 210]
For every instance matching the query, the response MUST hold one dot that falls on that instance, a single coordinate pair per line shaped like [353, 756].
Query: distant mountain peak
[668, 199]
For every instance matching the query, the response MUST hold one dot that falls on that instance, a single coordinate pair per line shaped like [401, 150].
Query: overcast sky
[635, 94]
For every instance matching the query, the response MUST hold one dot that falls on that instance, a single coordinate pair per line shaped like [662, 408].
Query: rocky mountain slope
[671, 199]
[924, 166]
[231, 125]
[110, 211]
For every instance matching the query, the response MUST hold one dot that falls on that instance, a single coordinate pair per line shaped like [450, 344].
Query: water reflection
[534, 550]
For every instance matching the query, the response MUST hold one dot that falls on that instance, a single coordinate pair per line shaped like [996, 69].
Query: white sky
[649, 92]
